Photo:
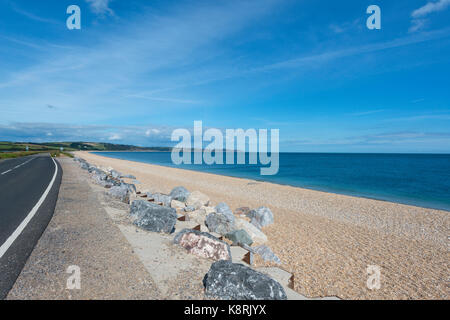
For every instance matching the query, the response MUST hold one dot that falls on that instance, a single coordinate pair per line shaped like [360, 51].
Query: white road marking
[30, 215]
[18, 166]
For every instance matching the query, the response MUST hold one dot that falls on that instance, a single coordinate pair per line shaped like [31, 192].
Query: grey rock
[234, 281]
[203, 244]
[115, 174]
[189, 208]
[128, 176]
[84, 166]
[266, 254]
[160, 198]
[131, 187]
[263, 216]
[180, 194]
[219, 223]
[224, 209]
[153, 217]
[121, 193]
[239, 237]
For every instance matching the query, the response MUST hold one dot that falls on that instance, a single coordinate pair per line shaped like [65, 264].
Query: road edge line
[7, 244]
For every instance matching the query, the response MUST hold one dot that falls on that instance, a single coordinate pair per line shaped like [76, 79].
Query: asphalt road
[28, 192]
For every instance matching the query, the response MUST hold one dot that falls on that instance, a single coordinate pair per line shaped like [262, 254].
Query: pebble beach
[327, 241]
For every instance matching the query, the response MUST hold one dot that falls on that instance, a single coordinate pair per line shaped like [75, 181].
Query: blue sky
[139, 69]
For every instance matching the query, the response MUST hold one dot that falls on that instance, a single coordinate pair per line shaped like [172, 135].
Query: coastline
[326, 239]
[366, 194]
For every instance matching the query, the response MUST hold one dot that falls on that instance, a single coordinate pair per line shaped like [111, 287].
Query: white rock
[197, 200]
[257, 235]
[208, 209]
[177, 204]
[199, 216]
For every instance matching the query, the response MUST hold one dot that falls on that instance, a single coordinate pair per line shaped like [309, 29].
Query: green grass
[17, 154]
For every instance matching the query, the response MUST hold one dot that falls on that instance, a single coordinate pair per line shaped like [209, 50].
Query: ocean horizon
[414, 179]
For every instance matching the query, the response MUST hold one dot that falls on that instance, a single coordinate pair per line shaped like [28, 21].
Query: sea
[415, 179]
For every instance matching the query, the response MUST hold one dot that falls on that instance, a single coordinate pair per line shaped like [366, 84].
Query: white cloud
[430, 7]
[100, 6]
[115, 136]
[419, 15]
[150, 132]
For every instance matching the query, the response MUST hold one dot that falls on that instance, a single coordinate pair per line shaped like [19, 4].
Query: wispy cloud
[422, 117]
[418, 22]
[100, 7]
[39, 132]
[31, 15]
[357, 50]
[151, 54]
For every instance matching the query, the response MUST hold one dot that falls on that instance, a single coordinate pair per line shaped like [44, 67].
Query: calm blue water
[417, 179]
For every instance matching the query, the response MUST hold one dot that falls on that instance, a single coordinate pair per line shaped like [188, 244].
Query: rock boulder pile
[163, 213]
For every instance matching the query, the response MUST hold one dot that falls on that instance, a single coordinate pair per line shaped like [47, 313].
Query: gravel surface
[328, 240]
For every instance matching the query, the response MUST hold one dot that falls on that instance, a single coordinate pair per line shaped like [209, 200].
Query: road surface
[28, 192]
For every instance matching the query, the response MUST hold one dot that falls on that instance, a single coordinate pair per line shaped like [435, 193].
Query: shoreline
[326, 240]
[318, 189]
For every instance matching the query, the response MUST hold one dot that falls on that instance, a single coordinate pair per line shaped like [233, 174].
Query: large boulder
[177, 204]
[203, 244]
[153, 217]
[219, 223]
[234, 281]
[180, 194]
[254, 232]
[262, 216]
[223, 209]
[115, 174]
[160, 198]
[239, 237]
[199, 216]
[121, 193]
[266, 254]
[197, 200]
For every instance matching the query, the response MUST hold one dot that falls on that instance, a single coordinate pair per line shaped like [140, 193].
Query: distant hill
[75, 146]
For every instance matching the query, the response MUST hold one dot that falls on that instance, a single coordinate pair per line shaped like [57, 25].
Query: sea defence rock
[219, 223]
[179, 193]
[254, 232]
[128, 176]
[160, 198]
[224, 209]
[266, 254]
[239, 237]
[189, 209]
[177, 204]
[197, 200]
[203, 244]
[243, 211]
[234, 281]
[153, 217]
[121, 193]
[262, 216]
[198, 216]
[115, 174]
